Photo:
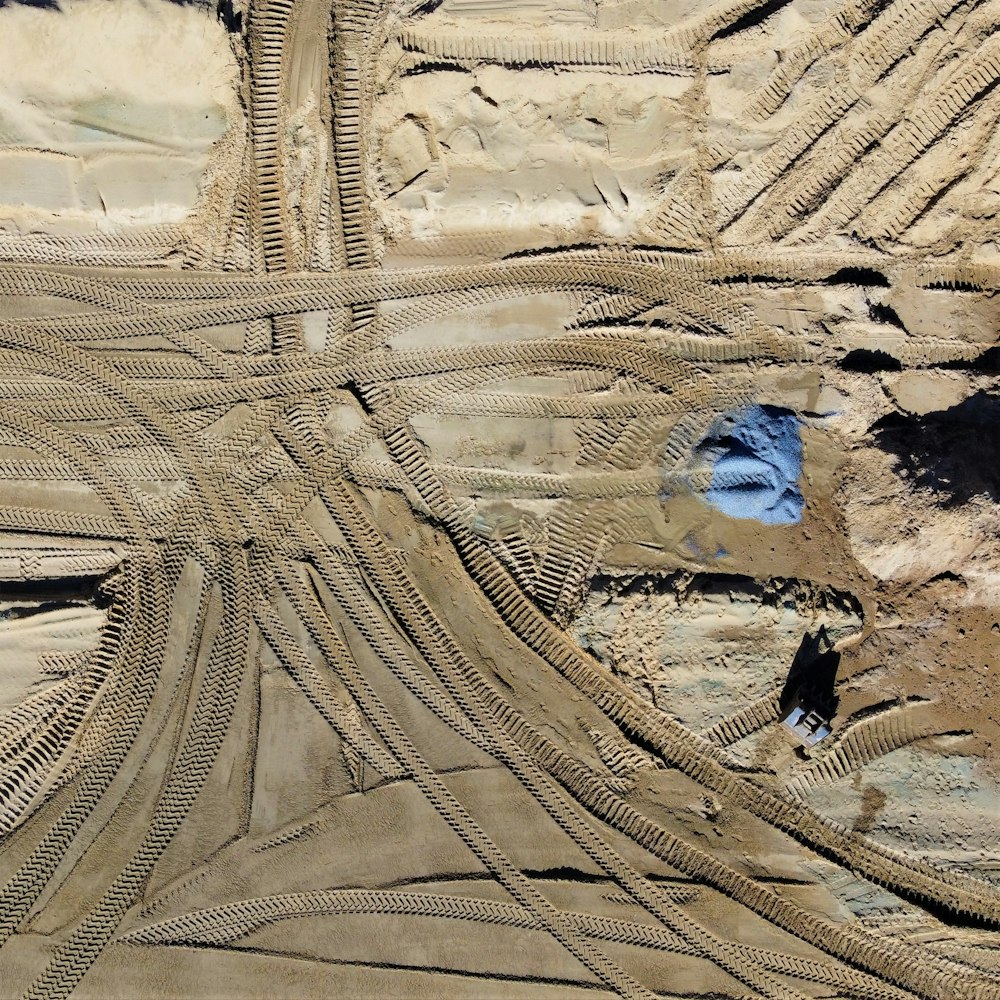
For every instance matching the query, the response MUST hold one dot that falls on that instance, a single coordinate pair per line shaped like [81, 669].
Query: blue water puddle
[757, 461]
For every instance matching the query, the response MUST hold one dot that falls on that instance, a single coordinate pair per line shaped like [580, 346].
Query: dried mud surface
[439, 444]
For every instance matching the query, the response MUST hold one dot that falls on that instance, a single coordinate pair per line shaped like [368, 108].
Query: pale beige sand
[439, 442]
[109, 113]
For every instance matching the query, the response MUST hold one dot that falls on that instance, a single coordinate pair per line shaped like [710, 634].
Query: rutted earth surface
[499, 498]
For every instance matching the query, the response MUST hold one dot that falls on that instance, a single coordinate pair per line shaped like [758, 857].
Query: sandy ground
[441, 443]
[109, 114]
